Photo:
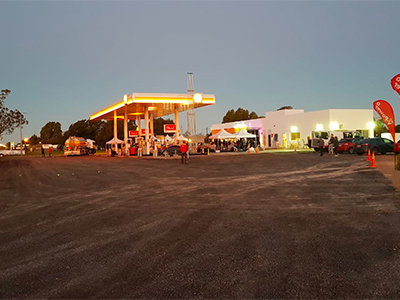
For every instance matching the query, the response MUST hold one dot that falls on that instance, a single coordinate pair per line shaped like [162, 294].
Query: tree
[253, 115]
[239, 115]
[380, 127]
[101, 131]
[51, 133]
[158, 125]
[285, 107]
[9, 119]
[229, 116]
[34, 140]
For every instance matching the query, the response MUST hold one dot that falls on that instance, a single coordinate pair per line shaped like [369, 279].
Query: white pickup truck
[11, 152]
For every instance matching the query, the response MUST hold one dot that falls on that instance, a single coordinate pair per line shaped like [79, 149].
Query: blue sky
[64, 60]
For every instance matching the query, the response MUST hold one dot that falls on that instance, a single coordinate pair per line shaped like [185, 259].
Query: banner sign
[169, 128]
[396, 83]
[385, 110]
[143, 131]
[135, 133]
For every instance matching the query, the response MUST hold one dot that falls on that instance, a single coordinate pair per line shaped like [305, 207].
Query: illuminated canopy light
[334, 126]
[197, 98]
[208, 101]
[371, 125]
[165, 100]
[319, 127]
[143, 99]
[107, 110]
[293, 129]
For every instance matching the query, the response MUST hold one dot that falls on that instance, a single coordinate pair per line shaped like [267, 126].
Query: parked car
[347, 145]
[171, 150]
[375, 145]
[397, 147]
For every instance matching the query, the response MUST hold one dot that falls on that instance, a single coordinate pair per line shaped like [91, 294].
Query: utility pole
[20, 126]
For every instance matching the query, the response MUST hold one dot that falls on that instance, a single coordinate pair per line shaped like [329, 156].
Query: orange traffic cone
[373, 165]
[369, 155]
[295, 150]
[248, 150]
[256, 149]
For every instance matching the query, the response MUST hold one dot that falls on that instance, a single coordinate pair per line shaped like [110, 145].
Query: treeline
[239, 115]
[100, 131]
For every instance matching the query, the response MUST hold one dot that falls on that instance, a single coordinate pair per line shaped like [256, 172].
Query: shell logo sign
[169, 128]
[135, 133]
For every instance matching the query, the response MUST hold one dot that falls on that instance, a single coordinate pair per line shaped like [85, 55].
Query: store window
[294, 136]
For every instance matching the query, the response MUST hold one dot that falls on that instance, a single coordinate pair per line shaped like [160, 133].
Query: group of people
[333, 145]
[50, 151]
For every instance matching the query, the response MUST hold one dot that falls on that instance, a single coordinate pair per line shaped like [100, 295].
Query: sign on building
[135, 133]
[169, 128]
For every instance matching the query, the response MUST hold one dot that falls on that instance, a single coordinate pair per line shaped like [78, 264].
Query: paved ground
[275, 225]
[385, 164]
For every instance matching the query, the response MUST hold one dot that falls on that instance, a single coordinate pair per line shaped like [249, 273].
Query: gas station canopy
[159, 104]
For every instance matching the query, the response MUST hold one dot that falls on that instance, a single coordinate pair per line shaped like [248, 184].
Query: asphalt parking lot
[267, 225]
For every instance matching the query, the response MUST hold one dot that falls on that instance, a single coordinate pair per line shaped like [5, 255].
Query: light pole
[20, 126]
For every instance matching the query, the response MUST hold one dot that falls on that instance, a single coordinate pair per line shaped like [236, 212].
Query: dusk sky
[64, 60]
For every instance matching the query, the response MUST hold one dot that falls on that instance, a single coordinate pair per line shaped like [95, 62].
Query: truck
[79, 146]
[11, 152]
[341, 134]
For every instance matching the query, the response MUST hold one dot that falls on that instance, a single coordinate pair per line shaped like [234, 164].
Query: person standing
[42, 151]
[336, 145]
[50, 151]
[321, 145]
[330, 144]
[183, 149]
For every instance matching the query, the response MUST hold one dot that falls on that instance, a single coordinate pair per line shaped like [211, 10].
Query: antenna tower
[191, 115]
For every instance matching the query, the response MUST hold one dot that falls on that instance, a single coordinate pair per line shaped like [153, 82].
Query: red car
[397, 147]
[347, 145]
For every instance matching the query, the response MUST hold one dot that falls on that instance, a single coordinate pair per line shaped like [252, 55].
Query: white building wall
[278, 124]
[281, 122]
[353, 119]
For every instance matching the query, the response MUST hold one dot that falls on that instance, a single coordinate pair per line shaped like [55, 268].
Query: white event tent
[222, 135]
[243, 134]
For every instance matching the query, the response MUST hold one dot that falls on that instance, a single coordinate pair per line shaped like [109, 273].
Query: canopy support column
[138, 128]
[115, 132]
[146, 124]
[152, 124]
[177, 125]
[126, 129]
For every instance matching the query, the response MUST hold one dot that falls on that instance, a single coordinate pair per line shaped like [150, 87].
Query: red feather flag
[395, 82]
[385, 110]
